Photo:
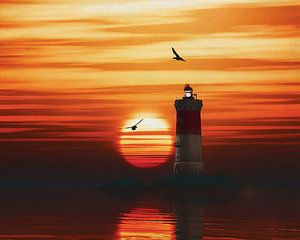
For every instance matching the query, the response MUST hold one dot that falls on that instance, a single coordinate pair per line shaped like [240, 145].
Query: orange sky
[75, 71]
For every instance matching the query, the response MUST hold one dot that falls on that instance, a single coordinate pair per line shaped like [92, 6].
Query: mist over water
[92, 214]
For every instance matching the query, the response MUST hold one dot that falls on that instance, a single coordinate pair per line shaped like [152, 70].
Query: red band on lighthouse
[188, 122]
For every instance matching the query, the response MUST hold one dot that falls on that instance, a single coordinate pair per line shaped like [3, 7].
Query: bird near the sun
[134, 127]
[177, 57]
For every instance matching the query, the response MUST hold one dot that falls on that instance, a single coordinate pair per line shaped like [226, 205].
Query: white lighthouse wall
[188, 148]
[188, 156]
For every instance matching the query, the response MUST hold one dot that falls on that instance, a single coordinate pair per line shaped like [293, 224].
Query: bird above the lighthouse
[134, 127]
[177, 56]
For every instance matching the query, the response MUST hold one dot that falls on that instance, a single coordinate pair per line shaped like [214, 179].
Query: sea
[86, 214]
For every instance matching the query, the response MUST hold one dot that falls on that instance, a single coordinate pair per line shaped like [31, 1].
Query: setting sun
[147, 146]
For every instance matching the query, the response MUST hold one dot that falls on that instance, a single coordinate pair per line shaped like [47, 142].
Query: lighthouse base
[188, 168]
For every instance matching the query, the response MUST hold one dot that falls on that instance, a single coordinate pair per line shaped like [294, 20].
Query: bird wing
[176, 54]
[138, 122]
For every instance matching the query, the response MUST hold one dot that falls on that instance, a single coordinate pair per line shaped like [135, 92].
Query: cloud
[221, 19]
[55, 22]
[12, 45]
[228, 64]
[19, 1]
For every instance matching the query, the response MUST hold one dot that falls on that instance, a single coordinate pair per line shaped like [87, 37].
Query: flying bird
[178, 58]
[134, 127]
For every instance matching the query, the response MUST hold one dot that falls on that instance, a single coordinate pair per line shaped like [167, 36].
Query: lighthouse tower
[188, 157]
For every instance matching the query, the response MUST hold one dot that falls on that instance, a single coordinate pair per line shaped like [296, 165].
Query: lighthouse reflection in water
[183, 220]
[188, 218]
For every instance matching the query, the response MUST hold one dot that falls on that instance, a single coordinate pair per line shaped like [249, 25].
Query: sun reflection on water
[146, 223]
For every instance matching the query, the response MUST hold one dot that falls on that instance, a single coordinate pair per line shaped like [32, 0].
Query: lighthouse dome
[188, 91]
[187, 87]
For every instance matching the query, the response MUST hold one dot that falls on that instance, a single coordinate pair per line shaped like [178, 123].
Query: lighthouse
[188, 155]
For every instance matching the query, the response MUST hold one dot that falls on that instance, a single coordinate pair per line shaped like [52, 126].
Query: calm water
[247, 214]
